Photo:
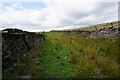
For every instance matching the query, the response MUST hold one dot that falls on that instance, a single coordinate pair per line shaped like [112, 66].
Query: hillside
[98, 26]
[106, 30]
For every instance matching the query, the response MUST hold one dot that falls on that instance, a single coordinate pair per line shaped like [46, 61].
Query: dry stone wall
[16, 44]
[108, 32]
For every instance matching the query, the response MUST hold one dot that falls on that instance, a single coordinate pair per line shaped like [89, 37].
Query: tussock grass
[91, 52]
[85, 69]
[93, 58]
[74, 57]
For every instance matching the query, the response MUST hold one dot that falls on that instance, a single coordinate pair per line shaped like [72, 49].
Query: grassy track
[54, 62]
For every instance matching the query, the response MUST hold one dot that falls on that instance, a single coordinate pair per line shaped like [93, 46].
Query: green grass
[94, 58]
[54, 63]
[71, 56]
[79, 57]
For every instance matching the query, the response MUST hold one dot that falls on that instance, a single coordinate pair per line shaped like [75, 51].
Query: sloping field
[98, 26]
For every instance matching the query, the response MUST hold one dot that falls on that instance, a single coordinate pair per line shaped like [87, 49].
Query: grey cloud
[101, 12]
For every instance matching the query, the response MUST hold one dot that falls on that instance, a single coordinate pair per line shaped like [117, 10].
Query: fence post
[44, 35]
[95, 27]
[112, 25]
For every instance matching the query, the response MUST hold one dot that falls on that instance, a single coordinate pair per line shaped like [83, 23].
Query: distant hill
[98, 26]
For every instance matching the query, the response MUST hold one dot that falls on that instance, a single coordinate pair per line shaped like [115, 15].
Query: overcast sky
[45, 15]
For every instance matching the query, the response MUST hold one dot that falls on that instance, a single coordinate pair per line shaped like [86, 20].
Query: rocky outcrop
[108, 32]
[16, 44]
